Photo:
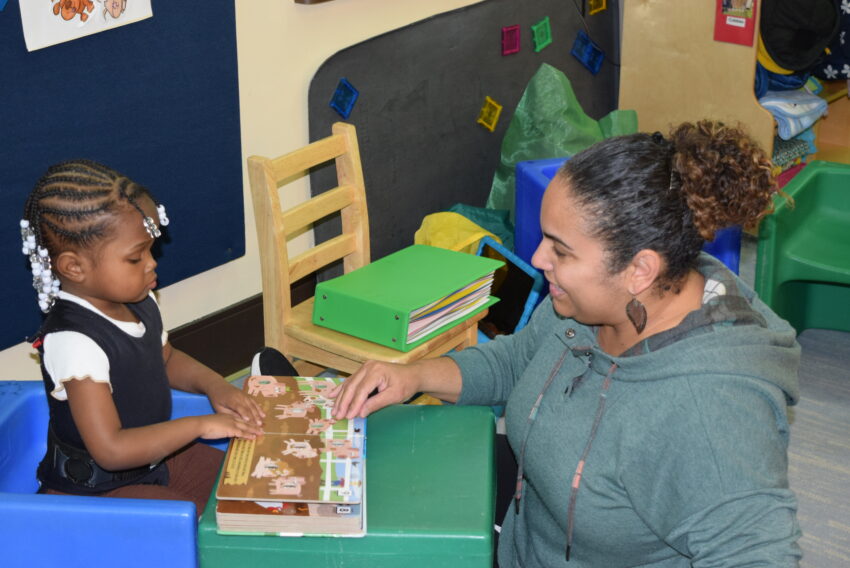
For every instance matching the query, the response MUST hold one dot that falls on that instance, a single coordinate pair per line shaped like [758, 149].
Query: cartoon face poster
[48, 22]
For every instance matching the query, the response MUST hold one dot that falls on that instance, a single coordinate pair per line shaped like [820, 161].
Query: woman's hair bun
[724, 176]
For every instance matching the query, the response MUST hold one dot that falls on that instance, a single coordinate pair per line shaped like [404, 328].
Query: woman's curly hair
[725, 176]
[670, 195]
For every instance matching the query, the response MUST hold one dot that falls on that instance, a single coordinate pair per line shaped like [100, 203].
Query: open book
[305, 475]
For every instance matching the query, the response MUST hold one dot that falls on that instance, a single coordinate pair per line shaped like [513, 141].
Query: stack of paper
[451, 308]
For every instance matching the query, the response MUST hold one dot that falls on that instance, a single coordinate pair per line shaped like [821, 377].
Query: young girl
[105, 358]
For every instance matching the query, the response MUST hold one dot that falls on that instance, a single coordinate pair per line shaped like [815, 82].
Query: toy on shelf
[344, 98]
[510, 40]
[542, 33]
[489, 115]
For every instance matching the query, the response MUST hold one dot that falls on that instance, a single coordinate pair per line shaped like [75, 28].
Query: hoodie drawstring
[600, 410]
[529, 421]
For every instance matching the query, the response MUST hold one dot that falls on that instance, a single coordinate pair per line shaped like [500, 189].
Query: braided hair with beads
[71, 207]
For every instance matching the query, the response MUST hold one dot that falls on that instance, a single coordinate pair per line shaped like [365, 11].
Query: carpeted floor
[819, 453]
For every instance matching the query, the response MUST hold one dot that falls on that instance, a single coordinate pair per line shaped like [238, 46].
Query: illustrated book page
[304, 455]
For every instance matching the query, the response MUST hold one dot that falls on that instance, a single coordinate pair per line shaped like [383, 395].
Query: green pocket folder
[375, 302]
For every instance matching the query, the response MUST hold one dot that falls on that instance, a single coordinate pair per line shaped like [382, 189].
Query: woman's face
[574, 262]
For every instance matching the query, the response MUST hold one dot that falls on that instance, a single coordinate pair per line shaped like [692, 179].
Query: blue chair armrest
[91, 532]
[64, 530]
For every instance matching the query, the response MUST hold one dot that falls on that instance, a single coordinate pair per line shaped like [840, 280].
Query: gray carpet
[819, 454]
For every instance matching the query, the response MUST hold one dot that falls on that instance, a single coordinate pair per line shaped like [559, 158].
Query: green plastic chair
[803, 258]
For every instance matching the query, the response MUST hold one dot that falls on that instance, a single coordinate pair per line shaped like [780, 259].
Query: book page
[304, 455]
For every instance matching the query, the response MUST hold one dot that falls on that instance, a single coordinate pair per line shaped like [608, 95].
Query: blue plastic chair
[89, 532]
[538, 283]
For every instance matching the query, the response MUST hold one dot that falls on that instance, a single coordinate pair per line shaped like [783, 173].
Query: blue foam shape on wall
[588, 53]
[344, 98]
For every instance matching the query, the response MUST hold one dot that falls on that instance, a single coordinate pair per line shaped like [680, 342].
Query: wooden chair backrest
[275, 225]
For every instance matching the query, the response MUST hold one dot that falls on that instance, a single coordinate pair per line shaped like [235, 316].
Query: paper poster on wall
[735, 21]
[48, 23]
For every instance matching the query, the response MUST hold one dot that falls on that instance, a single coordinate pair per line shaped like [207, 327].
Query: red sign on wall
[735, 21]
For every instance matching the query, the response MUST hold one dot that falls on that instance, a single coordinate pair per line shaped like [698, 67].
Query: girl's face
[574, 263]
[121, 269]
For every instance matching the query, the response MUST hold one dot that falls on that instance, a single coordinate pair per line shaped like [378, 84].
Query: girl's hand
[227, 399]
[394, 383]
[215, 426]
[187, 374]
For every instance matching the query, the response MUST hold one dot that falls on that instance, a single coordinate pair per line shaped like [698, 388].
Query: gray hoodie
[673, 454]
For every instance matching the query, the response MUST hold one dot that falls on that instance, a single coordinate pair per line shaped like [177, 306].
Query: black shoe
[270, 361]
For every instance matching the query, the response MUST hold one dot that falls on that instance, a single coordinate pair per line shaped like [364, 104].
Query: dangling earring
[637, 314]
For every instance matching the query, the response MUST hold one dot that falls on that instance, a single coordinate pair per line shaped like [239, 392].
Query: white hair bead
[45, 283]
[163, 218]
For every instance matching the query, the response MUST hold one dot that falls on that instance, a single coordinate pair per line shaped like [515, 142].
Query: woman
[646, 400]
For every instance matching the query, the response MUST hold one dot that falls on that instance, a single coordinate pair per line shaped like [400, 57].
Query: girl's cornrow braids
[64, 194]
[122, 184]
[131, 191]
[68, 205]
[74, 213]
[82, 237]
[74, 195]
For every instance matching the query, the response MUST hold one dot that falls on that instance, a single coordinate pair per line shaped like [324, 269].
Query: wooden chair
[289, 328]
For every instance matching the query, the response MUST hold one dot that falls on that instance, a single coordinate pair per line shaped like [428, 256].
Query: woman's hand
[394, 383]
[227, 399]
[215, 426]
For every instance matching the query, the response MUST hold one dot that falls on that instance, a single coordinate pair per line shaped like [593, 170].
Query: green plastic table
[430, 496]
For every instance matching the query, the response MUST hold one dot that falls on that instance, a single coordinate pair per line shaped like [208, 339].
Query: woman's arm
[711, 474]
[188, 374]
[115, 448]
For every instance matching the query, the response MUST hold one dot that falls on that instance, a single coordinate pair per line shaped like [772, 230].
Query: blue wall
[157, 100]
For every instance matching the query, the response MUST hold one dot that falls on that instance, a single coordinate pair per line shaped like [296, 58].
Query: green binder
[375, 301]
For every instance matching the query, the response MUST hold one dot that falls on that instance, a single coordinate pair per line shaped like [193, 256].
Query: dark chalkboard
[157, 100]
[420, 91]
